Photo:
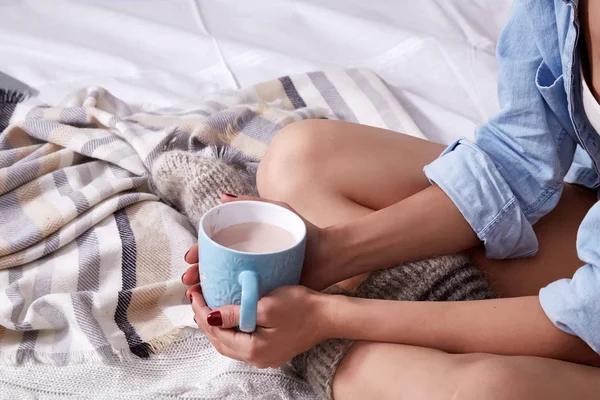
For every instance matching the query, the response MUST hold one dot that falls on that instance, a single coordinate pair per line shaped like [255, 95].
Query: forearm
[424, 225]
[516, 326]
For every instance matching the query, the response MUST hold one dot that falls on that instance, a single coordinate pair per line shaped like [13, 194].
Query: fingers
[201, 312]
[264, 311]
[222, 349]
[250, 348]
[234, 341]
[191, 257]
[191, 276]
[237, 341]
[195, 290]
[229, 316]
[229, 342]
[225, 317]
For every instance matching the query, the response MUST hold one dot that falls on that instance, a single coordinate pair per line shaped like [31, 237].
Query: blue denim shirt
[513, 173]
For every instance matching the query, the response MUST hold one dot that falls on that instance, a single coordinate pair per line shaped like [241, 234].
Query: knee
[489, 377]
[293, 158]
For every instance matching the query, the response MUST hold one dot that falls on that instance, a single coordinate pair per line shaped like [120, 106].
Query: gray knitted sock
[446, 278]
[194, 183]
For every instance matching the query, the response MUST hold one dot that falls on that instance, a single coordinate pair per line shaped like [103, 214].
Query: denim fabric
[513, 173]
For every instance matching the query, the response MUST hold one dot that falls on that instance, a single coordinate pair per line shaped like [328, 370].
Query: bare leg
[391, 371]
[334, 171]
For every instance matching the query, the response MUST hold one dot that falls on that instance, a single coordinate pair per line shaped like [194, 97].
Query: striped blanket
[90, 258]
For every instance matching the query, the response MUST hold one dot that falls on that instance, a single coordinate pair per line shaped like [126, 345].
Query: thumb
[224, 317]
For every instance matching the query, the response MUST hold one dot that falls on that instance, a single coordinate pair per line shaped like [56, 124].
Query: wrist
[329, 310]
[337, 252]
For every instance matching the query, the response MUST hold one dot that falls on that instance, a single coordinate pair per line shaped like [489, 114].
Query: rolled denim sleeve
[470, 178]
[573, 305]
[512, 174]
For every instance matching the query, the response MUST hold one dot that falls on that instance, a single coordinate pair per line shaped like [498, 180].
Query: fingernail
[185, 256]
[214, 318]
[191, 298]
[182, 277]
[230, 195]
[195, 320]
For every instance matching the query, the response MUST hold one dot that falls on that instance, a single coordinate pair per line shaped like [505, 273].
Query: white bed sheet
[437, 56]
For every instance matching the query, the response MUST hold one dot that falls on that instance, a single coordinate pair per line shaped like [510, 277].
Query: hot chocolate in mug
[229, 276]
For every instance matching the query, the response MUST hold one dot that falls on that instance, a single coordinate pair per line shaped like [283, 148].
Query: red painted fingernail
[185, 256]
[214, 318]
[230, 195]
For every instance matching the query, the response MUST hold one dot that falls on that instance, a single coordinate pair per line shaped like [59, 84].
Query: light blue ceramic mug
[229, 276]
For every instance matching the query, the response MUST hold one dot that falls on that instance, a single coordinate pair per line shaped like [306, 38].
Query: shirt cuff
[470, 178]
[573, 305]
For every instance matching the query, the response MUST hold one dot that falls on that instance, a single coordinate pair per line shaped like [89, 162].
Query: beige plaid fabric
[90, 258]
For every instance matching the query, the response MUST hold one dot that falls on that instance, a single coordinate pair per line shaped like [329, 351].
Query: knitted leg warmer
[194, 183]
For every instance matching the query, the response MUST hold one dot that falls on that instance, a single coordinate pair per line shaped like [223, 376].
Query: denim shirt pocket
[553, 91]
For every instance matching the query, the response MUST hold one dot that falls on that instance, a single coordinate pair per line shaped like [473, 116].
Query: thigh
[393, 371]
[557, 256]
[369, 166]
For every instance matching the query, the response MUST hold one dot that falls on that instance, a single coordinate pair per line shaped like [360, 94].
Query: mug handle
[249, 282]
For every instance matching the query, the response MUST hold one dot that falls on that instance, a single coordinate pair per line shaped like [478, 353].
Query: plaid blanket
[90, 258]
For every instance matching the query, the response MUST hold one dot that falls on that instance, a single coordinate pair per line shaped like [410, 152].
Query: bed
[435, 56]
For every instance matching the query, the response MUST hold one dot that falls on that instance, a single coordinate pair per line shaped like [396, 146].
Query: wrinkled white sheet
[436, 55]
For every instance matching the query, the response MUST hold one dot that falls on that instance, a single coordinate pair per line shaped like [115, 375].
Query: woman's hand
[290, 320]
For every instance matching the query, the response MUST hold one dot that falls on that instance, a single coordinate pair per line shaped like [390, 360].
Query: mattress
[437, 56]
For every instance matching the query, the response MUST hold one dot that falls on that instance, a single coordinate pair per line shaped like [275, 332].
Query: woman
[372, 206]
